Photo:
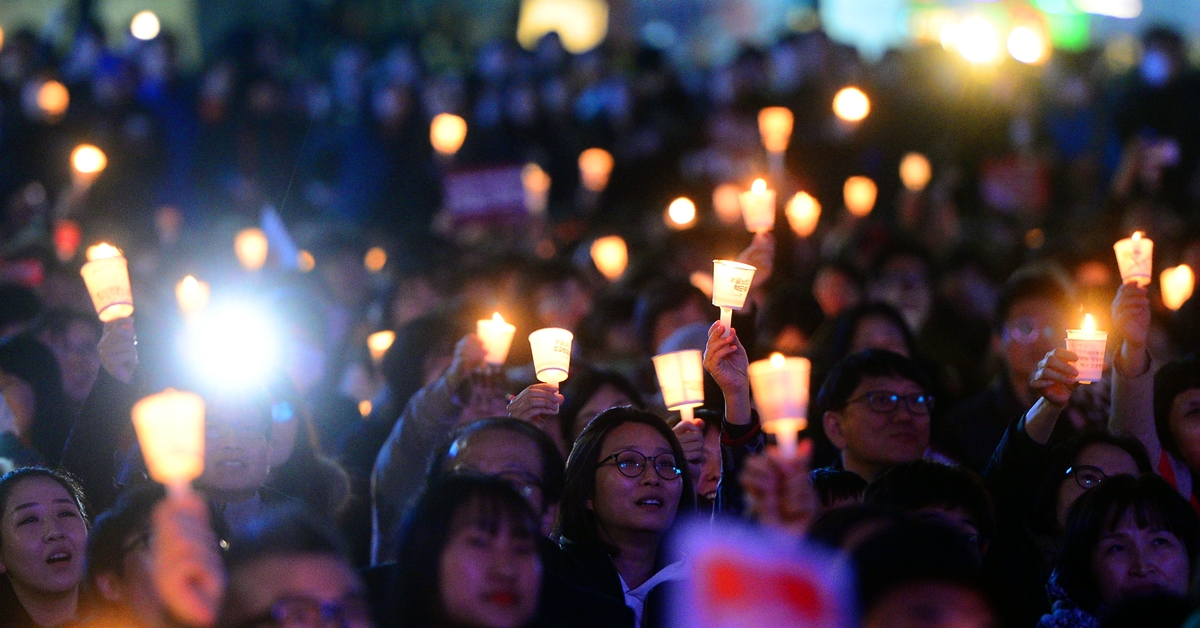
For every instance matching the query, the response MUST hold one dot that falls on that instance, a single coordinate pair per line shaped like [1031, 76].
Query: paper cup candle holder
[1088, 344]
[681, 378]
[731, 286]
[106, 275]
[758, 207]
[170, 430]
[551, 349]
[1135, 256]
[497, 336]
[780, 387]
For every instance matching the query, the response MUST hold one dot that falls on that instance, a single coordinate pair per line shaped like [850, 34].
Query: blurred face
[1184, 424]
[1034, 327]
[958, 518]
[236, 453]
[1130, 561]
[931, 605]
[503, 454]
[301, 588]
[710, 470]
[78, 359]
[563, 304]
[646, 503]
[134, 586]
[903, 283]
[877, 332]
[1098, 460]
[489, 577]
[834, 291]
[871, 440]
[604, 398]
[43, 538]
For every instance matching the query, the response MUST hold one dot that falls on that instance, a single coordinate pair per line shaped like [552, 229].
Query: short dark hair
[1044, 516]
[849, 373]
[657, 298]
[10, 480]
[847, 324]
[579, 389]
[56, 321]
[911, 551]
[910, 486]
[428, 527]
[553, 467]
[1151, 501]
[1034, 282]
[129, 515]
[834, 485]
[576, 522]
[1170, 381]
[289, 529]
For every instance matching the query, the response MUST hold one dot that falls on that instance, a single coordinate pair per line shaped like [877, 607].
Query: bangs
[1147, 515]
[492, 511]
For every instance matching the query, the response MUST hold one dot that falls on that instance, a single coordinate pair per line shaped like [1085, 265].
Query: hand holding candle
[731, 285]
[551, 348]
[758, 207]
[170, 429]
[496, 335]
[780, 386]
[106, 275]
[1135, 256]
[1088, 345]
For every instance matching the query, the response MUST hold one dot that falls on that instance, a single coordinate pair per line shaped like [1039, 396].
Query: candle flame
[102, 251]
[1088, 323]
[496, 318]
[759, 186]
[777, 360]
[1137, 235]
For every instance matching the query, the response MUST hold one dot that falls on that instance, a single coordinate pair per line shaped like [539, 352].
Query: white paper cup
[107, 281]
[497, 337]
[1089, 346]
[731, 283]
[551, 349]
[780, 387]
[170, 429]
[1135, 258]
[681, 378]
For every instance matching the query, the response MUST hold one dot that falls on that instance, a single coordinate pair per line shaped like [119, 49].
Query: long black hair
[576, 522]
[10, 480]
[1044, 515]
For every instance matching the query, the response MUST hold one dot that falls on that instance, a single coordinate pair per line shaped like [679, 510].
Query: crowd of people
[951, 453]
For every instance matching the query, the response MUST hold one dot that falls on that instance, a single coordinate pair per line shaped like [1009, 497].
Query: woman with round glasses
[625, 486]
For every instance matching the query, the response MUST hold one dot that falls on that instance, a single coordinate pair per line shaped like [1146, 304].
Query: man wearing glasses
[876, 411]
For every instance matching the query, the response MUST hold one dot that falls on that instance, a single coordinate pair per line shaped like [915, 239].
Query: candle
[775, 127]
[681, 213]
[1135, 255]
[192, 295]
[170, 429]
[251, 247]
[497, 336]
[379, 342]
[1088, 344]
[106, 275]
[758, 207]
[726, 203]
[915, 172]
[447, 133]
[731, 285]
[611, 256]
[1177, 285]
[551, 348]
[681, 378]
[595, 167]
[780, 387]
[860, 193]
[87, 162]
[803, 212]
[537, 189]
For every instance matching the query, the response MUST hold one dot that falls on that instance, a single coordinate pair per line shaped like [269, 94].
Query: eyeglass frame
[1073, 472]
[1034, 333]
[868, 396]
[645, 459]
[328, 611]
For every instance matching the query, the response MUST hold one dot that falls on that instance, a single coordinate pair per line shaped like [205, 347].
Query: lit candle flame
[496, 318]
[102, 251]
[777, 360]
[1088, 323]
[1137, 235]
[759, 186]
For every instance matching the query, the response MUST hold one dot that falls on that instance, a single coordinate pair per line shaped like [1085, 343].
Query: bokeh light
[611, 256]
[595, 167]
[860, 193]
[978, 41]
[447, 133]
[305, 261]
[375, 259]
[727, 204]
[87, 159]
[915, 172]
[53, 99]
[251, 248]
[1027, 45]
[145, 26]
[851, 104]
[681, 213]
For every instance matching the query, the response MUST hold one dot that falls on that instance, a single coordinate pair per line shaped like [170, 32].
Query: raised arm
[1133, 383]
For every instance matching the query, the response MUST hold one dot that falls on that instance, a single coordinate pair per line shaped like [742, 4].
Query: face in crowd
[1033, 328]
[302, 589]
[1094, 464]
[638, 481]
[514, 458]
[43, 538]
[884, 422]
[236, 452]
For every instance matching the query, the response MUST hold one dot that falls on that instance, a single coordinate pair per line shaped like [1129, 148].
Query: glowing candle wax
[551, 348]
[758, 207]
[497, 337]
[780, 387]
[170, 429]
[731, 285]
[1135, 256]
[681, 378]
[1088, 344]
[106, 275]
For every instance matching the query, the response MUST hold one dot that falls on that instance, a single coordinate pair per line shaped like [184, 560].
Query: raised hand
[691, 436]
[1055, 376]
[469, 355]
[725, 359]
[778, 491]
[535, 402]
[1131, 314]
[118, 349]
[188, 575]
